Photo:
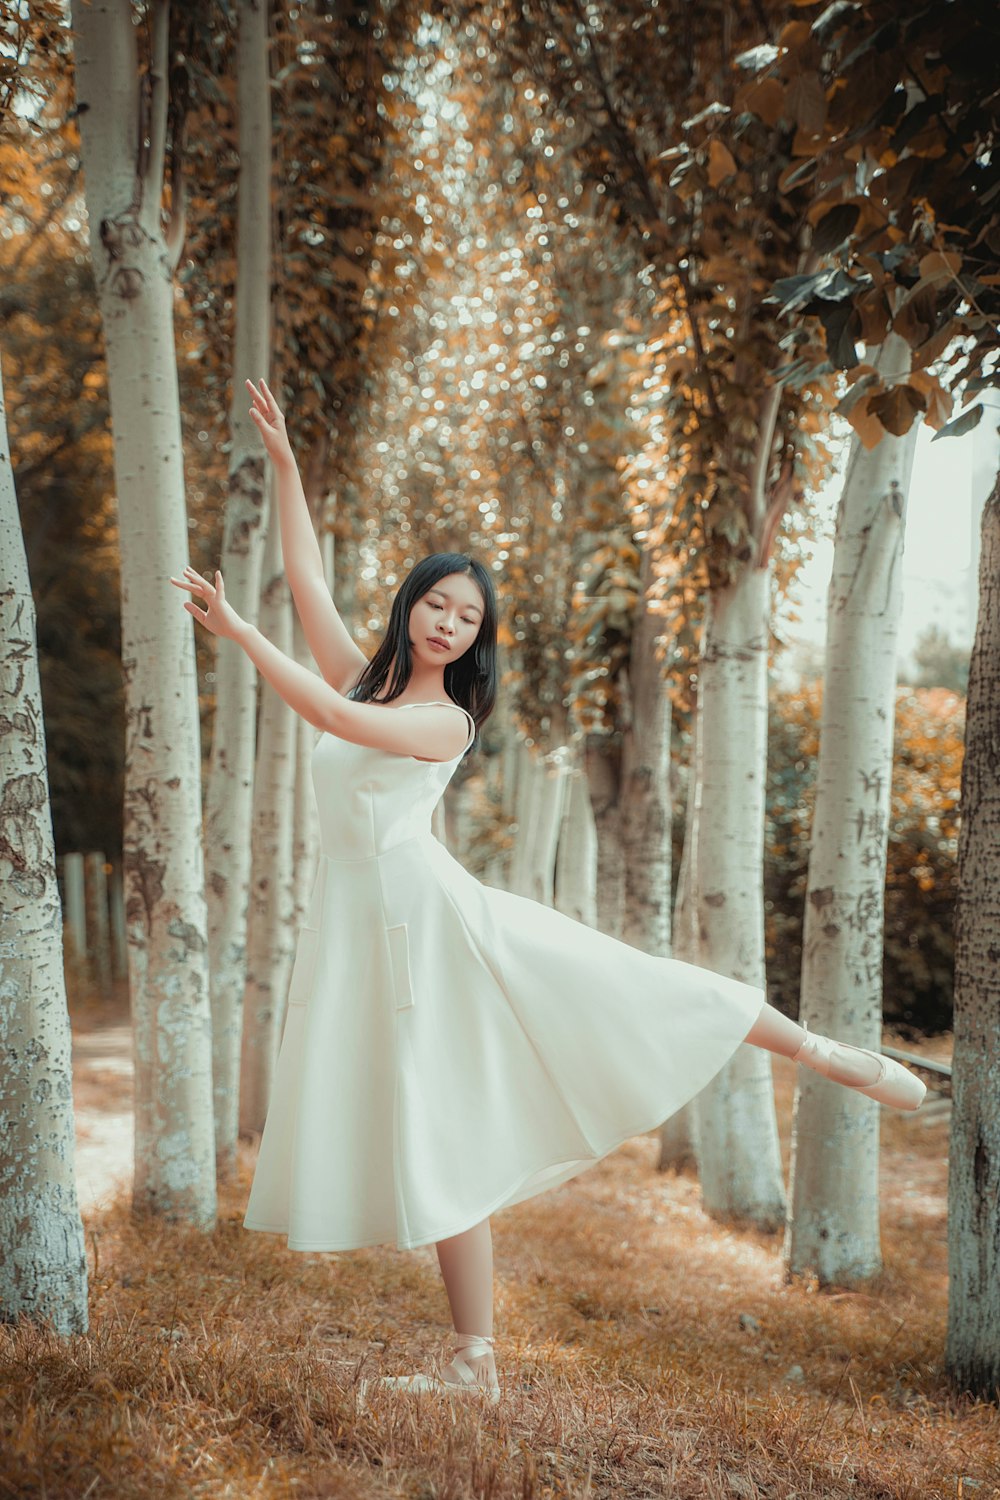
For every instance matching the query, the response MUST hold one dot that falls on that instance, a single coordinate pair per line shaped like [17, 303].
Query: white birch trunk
[271, 932]
[96, 884]
[576, 856]
[305, 838]
[230, 783]
[511, 760]
[75, 886]
[550, 783]
[602, 762]
[833, 1224]
[119, 942]
[123, 156]
[972, 1355]
[526, 808]
[739, 1157]
[678, 1135]
[646, 788]
[43, 1262]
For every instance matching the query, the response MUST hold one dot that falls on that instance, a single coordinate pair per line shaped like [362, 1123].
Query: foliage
[939, 663]
[895, 111]
[335, 126]
[61, 450]
[921, 855]
[494, 422]
[694, 192]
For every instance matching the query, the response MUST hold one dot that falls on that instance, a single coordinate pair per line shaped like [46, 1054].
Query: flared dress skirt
[450, 1048]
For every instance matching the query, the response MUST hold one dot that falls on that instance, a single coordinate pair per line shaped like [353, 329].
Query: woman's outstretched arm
[337, 655]
[424, 733]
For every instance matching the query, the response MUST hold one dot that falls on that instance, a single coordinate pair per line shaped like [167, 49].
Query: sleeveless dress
[450, 1048]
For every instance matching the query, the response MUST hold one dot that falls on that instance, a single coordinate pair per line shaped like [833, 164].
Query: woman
[450, 1049]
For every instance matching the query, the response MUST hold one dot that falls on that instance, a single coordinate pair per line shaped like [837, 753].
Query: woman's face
[451, 611]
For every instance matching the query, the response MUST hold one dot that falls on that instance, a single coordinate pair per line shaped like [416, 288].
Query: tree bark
[230, 783]
[646, 827]
[973, 1343]
[679, 1134]
[550, 795]
[123, 130]
[833, 1225]
[739, 1158]
[526, 806]
[270, 932]
[43, 1262]
[305, 839]
[602, 762]
[576, 856]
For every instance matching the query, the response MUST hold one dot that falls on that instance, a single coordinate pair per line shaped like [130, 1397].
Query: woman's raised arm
[337, 655]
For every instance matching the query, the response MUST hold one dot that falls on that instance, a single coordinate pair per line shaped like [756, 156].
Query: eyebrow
[445, 595]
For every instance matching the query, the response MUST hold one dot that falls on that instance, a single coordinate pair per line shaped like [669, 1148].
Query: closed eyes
[441, 606]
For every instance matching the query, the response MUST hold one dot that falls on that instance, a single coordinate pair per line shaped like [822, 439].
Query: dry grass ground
[645, 1351]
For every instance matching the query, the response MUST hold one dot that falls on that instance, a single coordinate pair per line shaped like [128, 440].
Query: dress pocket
[399, 959]
[304, 967]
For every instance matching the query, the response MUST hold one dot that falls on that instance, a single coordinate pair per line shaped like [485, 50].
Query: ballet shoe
[895, 1085]
[466, 1383]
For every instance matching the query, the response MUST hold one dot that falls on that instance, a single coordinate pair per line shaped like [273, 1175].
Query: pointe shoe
[466, 1383]
[895, 1085]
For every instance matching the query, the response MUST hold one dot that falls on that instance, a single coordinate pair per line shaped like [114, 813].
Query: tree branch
[157, 93]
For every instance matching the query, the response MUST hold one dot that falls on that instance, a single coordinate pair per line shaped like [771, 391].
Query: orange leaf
[721, 163]
[868, 428]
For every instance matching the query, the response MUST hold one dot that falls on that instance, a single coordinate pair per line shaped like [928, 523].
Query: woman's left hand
[218, 616]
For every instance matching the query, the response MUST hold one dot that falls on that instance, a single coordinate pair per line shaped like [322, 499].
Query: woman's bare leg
[777, 1033]
[466, 1262]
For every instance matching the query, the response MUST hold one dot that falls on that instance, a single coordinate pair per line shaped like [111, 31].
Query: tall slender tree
[229, 793]
[43, 1264]
[833, 1225]
[973, 1342]
[122, 82]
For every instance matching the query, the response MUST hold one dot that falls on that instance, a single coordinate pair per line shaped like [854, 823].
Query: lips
[435, 640]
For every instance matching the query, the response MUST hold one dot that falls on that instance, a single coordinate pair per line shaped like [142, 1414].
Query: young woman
[450, 1049]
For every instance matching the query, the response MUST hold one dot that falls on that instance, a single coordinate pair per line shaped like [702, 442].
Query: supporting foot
[470, 1372]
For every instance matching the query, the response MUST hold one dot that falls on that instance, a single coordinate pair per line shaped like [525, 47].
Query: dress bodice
[371, 800]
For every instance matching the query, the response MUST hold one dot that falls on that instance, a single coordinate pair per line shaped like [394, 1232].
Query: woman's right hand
[270, 423]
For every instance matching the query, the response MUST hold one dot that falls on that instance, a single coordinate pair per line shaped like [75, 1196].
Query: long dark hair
[471, 680]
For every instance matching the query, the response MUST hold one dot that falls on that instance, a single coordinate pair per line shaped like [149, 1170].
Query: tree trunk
[75, 885]
[602, 762]
[43, 1262]
[576, 856]
[833, 1226]
[646, 788]
[123, 128]
[739, 1157]
[305, 839]
[550, 773]
[230, 784]
[96, 888]
[973, 1343]
[679, 1134]
[526, 805]
[271, 931]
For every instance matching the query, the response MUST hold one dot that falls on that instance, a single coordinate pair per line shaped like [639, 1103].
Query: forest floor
[645, 1349]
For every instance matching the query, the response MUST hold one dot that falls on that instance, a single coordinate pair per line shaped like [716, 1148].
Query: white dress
[449, 1048]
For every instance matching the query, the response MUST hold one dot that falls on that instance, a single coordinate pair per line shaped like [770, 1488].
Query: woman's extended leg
[466, 1262]
[778, 1034]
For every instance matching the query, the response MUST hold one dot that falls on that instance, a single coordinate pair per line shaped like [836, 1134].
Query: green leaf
[962, 424]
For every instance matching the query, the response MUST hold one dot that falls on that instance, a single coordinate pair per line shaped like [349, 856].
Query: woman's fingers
[272, 405]
[193, 580]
